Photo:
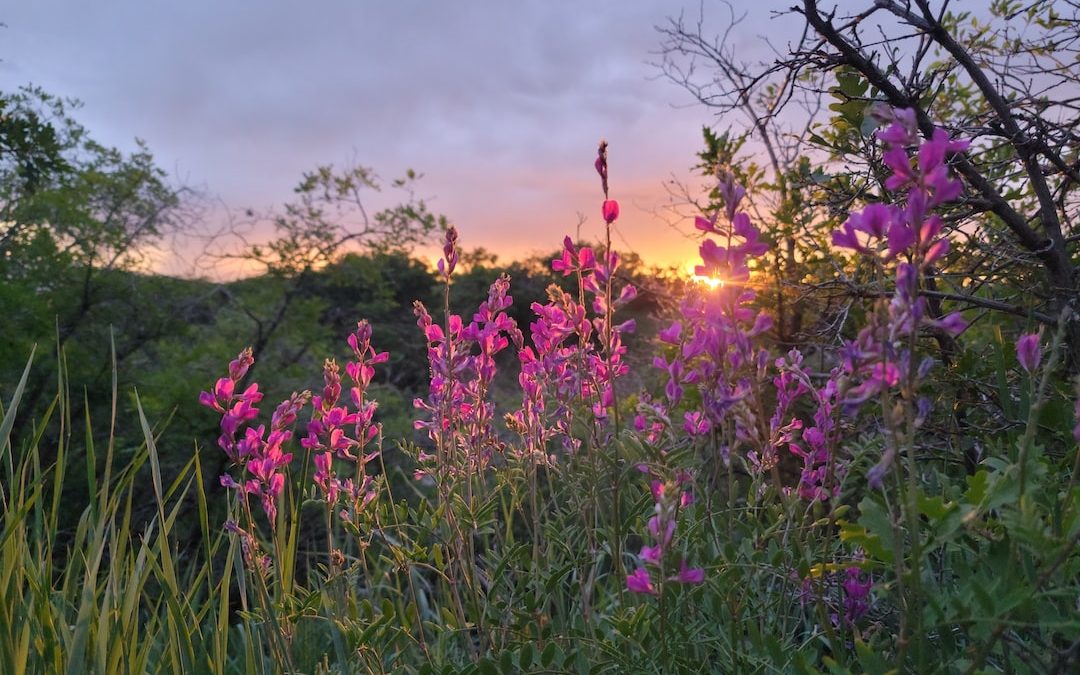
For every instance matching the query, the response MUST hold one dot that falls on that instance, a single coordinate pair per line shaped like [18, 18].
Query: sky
[499, 105]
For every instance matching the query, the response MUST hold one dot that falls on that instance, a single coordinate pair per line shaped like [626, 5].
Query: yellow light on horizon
[712, 282]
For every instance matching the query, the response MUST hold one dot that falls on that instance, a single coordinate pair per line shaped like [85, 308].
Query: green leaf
[448, 617]
[871, 660]
[873, 532]
[978, 485]
[548, 655]
[851, 84]
[525, 657]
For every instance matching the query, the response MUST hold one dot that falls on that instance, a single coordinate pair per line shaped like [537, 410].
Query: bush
[746, 513]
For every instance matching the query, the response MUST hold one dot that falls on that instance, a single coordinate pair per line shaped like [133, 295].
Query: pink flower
[1076, 430]
[239, 366]
[1029, 351]
[449, 260]
[671, 334]
[688, 575]
[707, 224]
[610, 210]
[640, 582]
[574, 259]
[953, 324]
[652, 554]
[696, 424]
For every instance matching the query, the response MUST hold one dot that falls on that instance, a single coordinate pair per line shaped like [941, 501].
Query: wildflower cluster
[670, 498]
[822, 470]
[459, 415]
[846, 593]
[712, 344]
[585, 350]
[881, 357]
[261, 457]
[576, 355]
[335, 432]
[442, 578]
[236, 409]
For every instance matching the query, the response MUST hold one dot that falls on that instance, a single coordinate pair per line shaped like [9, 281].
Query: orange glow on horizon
[711, 282]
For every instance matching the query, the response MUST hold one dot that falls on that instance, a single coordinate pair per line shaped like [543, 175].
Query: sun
[711, 282]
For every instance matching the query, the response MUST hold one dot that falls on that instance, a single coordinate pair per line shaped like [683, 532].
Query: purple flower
[688, 575]
[846, 238]
[1029, 351]
[1076, 430]
[671, 334]
[856, 594]
[652, 554]
[661, 533]
[640, 582]
[449, 260]
[874, 220]
[902, 130]
[696, 423]
[901, 237]
[953, 324]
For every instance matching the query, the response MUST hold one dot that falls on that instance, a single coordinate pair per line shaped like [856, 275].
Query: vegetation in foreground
[762, 474]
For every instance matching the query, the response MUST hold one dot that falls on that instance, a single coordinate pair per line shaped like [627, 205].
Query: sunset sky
[500, 105]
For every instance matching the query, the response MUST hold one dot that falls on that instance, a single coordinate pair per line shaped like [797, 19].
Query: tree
[748, 99]
[67, 198]
[77, 220]
[1007, 81]
[30, 153]
[328, 219]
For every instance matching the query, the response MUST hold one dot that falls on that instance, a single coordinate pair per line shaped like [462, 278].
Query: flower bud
[610, 210]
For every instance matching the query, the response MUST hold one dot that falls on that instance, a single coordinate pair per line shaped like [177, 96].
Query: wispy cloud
[499, 104]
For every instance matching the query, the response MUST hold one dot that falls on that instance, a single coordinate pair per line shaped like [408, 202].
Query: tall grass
[110, 592]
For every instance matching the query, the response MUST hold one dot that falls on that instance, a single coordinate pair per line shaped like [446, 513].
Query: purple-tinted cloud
[500, 105]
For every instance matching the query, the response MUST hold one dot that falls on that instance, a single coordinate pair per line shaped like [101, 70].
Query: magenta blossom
[688, 575]
[449, 260]
[610, 211]
[856, 587]
[259, 456]
[573, 259]
[877, 361]
[1029, 351]
[1076, 429]
[640, 582]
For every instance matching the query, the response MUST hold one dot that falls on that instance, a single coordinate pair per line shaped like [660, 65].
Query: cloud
[499, 104]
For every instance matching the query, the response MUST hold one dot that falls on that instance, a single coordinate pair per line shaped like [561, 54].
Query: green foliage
[113, 557]
[30, 151]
